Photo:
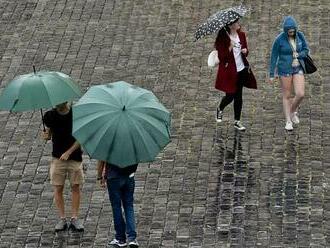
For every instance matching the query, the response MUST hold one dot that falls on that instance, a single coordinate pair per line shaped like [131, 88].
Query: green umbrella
[38, 90]
[121, 124]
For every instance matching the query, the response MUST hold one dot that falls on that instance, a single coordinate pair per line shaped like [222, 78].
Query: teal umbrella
[38, 90]
[121, 124]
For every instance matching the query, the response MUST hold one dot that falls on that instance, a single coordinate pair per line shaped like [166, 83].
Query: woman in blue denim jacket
[288, 51]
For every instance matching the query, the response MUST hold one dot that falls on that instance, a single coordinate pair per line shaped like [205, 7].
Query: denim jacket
[281, 56]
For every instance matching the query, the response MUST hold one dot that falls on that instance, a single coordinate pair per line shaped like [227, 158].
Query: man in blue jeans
[121, 184]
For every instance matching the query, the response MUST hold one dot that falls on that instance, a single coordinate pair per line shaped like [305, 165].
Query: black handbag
[309, 67]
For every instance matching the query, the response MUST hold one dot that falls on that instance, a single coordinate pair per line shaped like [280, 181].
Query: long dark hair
[223, 35]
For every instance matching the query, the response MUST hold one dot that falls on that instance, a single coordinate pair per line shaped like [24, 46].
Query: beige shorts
[61, 169]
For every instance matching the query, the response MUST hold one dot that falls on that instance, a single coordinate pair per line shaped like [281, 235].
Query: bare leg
[75, 200]
[299, 88]
[59, 199]
[286, 94]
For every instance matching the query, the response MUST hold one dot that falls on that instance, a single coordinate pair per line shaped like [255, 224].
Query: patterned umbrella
[220, 19]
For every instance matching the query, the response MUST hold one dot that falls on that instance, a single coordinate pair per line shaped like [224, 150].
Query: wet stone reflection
[236, 178]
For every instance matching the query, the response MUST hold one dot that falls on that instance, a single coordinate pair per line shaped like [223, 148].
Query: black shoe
[76, 225]
[238, 125]
[219, 115]
[62, 225]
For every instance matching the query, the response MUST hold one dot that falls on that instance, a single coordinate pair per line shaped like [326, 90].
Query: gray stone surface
[212, 186]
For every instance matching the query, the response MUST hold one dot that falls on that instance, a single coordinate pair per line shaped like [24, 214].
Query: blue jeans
[121, 192]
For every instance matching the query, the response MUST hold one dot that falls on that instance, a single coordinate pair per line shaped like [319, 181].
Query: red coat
[227, 73]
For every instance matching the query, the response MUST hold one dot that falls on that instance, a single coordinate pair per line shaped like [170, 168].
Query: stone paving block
[212, 186]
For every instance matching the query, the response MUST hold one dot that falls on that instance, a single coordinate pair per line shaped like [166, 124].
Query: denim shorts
[295, 70]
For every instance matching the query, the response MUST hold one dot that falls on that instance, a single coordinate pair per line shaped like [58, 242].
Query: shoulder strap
[293, 50]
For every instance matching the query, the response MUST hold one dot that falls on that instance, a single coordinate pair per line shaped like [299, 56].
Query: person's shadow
[67, 238]
[236, 153]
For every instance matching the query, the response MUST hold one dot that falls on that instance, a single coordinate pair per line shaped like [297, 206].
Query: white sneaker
[288, 126]
[294, 118]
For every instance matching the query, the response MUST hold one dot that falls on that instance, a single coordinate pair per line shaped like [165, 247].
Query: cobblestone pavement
[212, 186]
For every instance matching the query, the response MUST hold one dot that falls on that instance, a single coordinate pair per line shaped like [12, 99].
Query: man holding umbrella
[122, 125]
[67, 158]
[46, 89]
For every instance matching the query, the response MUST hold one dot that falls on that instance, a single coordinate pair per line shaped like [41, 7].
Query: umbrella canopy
[121, 124]
[38, 90]
[219, 20]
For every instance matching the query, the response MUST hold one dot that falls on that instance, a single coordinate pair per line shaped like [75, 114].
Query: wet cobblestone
[212, 186]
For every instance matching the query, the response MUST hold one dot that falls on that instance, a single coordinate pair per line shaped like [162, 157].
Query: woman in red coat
[234, 71]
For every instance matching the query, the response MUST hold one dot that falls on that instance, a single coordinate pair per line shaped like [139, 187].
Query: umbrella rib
[134, 148]
[53, 78]
[144, 92]
[70, 83]
[139, 125]
[142, 117]
[29, 95]
[104, 127]
[138, 130]
[46, 90]
[82, 103]
[96, 116]
[113, 140]
[161, 109]
[6, 96]
[106, 90]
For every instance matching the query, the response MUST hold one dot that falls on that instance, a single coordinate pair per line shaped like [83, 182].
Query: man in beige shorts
[67, 163]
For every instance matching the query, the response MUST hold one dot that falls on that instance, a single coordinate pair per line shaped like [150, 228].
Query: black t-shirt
[61, 129]
[114, 171]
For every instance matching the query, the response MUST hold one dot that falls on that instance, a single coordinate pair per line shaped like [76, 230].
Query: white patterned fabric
[237, 52]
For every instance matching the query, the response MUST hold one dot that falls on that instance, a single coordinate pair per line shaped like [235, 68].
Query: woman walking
[288, 51]
[234, 72]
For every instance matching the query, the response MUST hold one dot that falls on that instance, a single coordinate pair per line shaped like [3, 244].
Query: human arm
[273, 59]
[67, 153]
[100, 167]
[46, 134]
